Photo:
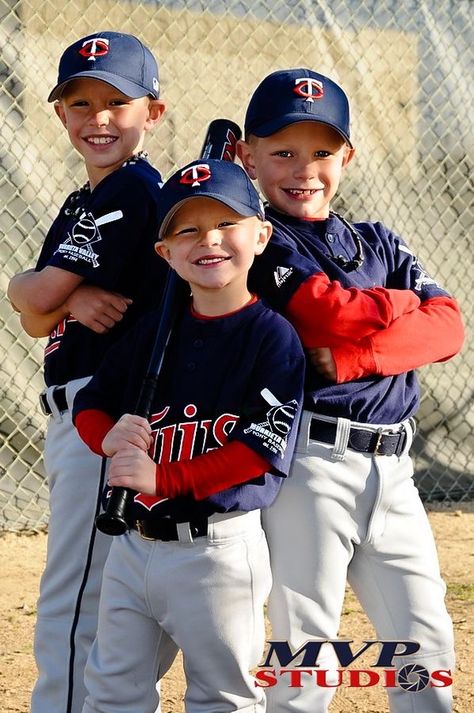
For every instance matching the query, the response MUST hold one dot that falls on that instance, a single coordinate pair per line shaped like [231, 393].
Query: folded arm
[42, 292]
[44, 298]
[326, 314]
[432, 333]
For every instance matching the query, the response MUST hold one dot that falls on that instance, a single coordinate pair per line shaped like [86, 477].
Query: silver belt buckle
[380, 433]
[378, 441]
[141, 532]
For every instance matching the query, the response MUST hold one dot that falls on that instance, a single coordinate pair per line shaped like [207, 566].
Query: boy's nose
[210, 237]
[304, 169]
[101, 118]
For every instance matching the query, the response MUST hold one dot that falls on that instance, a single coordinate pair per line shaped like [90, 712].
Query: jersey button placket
[197, 344]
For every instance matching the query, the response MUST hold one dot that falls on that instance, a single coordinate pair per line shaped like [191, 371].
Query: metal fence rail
[407, 67]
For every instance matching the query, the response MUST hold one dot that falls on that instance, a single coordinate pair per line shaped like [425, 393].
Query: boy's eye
[226, 224]
[85, 102]
[289, 154]
[184, 231]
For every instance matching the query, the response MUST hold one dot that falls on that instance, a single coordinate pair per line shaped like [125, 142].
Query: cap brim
[239, 208]
[274, 125]
[127, 87]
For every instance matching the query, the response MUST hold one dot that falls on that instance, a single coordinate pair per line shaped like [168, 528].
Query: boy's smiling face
[298, 168]
[104, 125]
[212, 247]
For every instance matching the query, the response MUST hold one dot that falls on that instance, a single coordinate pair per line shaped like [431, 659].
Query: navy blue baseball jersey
[107, 236]
[239, 376]
[299, 249]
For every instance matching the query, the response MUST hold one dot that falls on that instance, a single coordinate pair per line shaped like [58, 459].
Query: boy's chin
[303, 212]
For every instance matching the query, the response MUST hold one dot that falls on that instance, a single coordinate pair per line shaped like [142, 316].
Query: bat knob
[111, 525]
[114, 520]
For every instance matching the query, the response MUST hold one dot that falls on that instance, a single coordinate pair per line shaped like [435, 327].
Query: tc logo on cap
[95, 47]
[310, 88]
[195, 175]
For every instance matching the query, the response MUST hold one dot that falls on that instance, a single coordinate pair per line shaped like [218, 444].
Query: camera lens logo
[413, 678]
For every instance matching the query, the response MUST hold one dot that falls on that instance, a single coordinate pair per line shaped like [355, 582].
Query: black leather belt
[58, 395]
[377, 442]
[167, 530]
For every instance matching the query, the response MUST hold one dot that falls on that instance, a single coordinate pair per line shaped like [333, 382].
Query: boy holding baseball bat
[194, 566]
[96, 274]
[369, 315]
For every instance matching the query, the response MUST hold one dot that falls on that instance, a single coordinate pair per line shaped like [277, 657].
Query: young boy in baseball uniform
[97, 272]
[368, 315]
[194, 566]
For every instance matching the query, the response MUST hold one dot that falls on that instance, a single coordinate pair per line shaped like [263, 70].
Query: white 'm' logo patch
[281, 275]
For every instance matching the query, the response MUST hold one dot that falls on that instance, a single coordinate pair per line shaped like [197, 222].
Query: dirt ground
[22, 558]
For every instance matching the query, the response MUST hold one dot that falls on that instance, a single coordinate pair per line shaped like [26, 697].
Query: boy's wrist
[354, 360]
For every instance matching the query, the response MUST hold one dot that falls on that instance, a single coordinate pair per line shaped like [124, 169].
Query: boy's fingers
[124, 462]
[119, 304]
[136, 420]
[141, 440]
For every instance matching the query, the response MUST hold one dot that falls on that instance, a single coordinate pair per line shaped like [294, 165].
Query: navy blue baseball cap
[290, 95]
[116, 58]
[224, 181]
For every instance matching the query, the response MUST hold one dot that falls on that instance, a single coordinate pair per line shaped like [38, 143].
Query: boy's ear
[59, 109]
[245, 154]
[348, 155]
[266, 230]
[156, 109]
[163, 251]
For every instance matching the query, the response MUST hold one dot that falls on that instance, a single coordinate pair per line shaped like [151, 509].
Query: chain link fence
[407, 67]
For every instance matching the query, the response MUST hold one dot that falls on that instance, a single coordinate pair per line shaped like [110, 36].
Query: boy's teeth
[210, 260]
[301, 191]
[100, 139]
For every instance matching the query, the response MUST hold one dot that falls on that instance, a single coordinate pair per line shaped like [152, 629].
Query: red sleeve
[432, 333]
[211, 472]
[93, 426]
[326, 314]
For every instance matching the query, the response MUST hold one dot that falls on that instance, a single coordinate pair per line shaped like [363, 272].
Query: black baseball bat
[220, 143]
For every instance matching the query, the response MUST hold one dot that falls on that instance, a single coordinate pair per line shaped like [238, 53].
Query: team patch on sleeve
[276, 427]
[83, 235]
[421, 277]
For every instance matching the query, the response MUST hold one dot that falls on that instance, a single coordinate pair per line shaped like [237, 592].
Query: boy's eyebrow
[105, 89]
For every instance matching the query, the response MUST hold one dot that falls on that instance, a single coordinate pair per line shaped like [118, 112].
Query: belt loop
[184, 532]
[304, 428]
[55, 412]
[343, 431]
[409, 429]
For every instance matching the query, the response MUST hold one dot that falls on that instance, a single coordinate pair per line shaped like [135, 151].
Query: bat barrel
[221, 140]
